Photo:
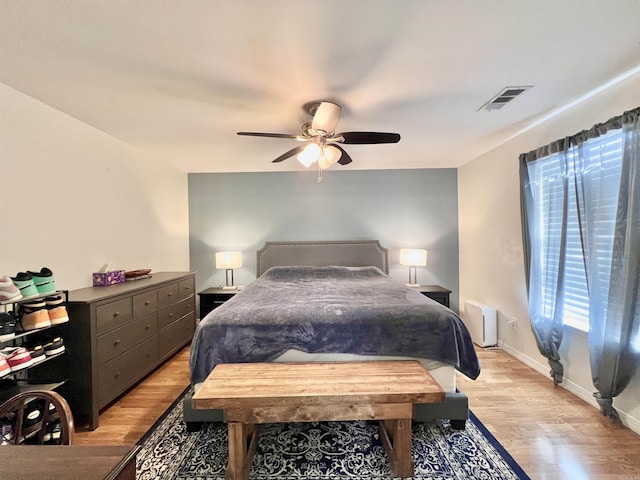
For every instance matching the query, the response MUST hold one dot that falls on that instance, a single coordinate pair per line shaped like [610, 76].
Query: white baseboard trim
[574, 388]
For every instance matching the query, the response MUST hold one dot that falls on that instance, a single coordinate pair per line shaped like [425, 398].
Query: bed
[333, 301]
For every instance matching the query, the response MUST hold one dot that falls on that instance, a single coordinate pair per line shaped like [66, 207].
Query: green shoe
[43, 280]
[24, 282]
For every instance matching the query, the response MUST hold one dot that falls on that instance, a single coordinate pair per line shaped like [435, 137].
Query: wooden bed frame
[350, 253]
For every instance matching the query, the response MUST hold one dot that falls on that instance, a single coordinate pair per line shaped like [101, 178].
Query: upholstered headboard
[349, 253]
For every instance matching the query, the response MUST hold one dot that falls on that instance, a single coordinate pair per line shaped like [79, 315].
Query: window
[552, 178]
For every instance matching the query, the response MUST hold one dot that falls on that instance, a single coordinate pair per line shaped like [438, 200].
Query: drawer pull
[171, 315]
[116, 314]
[148, 302]
[117, 375]
[170, 294]
[148, 326]
[117, 342]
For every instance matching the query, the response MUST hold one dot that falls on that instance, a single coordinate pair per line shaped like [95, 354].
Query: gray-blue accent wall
[400, 208]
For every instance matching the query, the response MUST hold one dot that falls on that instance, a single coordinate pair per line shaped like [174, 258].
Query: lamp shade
[413, 257]
[326, 117]
[310, 154]
[228, 259]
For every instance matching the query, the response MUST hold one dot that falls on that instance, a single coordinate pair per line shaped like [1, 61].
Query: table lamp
[229, 261]
[413, 257]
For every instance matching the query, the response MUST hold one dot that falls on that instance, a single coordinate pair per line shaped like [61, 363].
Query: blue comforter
[333, 309]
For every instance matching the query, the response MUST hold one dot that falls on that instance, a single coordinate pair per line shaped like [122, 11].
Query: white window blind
[552, 177]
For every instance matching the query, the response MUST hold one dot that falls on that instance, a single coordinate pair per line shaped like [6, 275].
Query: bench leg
[396, 438]
[243, 439]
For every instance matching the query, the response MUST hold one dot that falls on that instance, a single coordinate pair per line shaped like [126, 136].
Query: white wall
[491, 258]
[73, 198]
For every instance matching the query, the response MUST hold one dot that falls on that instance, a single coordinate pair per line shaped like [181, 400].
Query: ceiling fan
[322, 141]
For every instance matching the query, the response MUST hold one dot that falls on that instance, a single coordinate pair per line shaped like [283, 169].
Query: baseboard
[628, 421]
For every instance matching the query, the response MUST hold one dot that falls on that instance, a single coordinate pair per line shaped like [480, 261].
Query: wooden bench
[254, 393]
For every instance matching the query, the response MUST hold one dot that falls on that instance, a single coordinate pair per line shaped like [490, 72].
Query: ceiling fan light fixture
[326, 117]
[321, 142]
[310, 154]
[323, 162]
[332, 154]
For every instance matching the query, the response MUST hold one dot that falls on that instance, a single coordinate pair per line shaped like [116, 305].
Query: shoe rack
[47, 374]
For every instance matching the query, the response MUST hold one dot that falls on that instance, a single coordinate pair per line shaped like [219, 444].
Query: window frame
[545, 172]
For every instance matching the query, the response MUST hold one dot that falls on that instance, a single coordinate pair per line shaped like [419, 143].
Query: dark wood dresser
[118, 334]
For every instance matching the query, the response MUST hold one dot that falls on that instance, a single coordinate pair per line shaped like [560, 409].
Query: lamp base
[230, 287]
[412, 284]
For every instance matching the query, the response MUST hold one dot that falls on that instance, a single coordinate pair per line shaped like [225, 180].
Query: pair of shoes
[6, 432]
[8, 291]
[56, 309]
[43, 280]
[24, 282]
[17, 357]
[32, 420]
[7, 326]
[52, 432]
[36, 351]
[34, 315]
[5, 369]
[54, 346]
[44, 313]
[50, 346]
[41, 350]
[32, 284]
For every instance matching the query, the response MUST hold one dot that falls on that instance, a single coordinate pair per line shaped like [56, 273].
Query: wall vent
[506, 95]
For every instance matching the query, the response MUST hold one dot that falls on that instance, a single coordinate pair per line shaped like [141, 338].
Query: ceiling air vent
[505, 96]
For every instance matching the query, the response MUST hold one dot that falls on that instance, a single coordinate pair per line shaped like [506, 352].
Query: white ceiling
[178, 79]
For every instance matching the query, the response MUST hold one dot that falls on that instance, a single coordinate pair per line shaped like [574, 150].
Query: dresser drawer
[168, 315]
[145, 303]
[186, 287]
[118, 341]
[112, 315]
[176, 335]
[168, 294]
[115, 376]
[442, 298]
[186, 306]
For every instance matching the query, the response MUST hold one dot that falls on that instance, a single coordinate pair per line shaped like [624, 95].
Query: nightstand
[212, 298]
[435, 292]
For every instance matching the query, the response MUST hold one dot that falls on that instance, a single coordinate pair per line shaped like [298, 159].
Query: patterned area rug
[323, 450]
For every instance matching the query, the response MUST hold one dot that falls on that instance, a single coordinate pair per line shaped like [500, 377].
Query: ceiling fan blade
[290, 153]
[273, 135]
[326, 117]
[364, 138]
[345, 159]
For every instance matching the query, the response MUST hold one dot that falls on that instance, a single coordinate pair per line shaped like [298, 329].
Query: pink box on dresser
[103, 279]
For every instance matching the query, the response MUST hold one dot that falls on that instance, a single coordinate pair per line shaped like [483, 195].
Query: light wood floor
[551, 433]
